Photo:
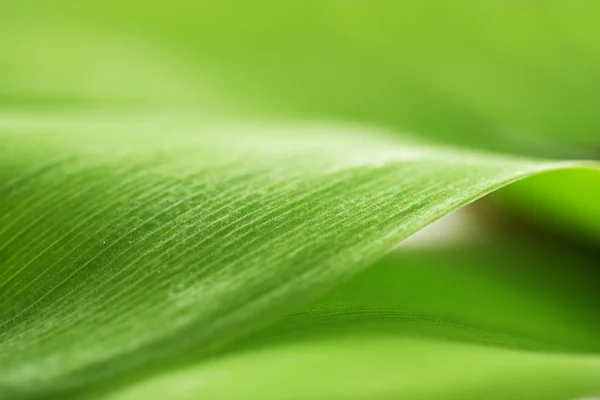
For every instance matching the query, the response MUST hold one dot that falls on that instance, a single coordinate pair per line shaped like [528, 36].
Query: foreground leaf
[129, 240]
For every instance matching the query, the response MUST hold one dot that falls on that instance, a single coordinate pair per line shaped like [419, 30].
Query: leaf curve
[129, 240]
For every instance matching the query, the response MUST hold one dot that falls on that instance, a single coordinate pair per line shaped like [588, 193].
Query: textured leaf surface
[129, 240]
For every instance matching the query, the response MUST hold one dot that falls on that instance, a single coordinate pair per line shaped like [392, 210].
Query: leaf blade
[193, 239]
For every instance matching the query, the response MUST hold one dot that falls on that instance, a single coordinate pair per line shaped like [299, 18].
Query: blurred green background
[520, 75]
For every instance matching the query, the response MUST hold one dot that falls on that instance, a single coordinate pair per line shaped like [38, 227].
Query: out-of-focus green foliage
[516, 75]
[526, 327]
[564, 204]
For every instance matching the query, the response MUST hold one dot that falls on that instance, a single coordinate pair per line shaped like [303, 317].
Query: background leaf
[518, 76]
[502, 320]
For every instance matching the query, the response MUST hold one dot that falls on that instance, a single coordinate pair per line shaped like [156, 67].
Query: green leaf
[379, 366]
[127, 241]
[501, 320]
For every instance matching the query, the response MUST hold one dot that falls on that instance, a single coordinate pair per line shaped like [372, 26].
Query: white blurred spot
[461, 226]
